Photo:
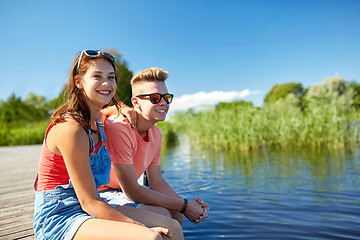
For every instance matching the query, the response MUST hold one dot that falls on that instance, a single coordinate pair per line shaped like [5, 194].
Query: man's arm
[126, 176]
[159, 184]
[166, 197]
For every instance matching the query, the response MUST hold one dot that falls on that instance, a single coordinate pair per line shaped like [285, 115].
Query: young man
[136, 150]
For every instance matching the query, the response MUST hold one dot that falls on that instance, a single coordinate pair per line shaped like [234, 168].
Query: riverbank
[17, 174]
[244, 128]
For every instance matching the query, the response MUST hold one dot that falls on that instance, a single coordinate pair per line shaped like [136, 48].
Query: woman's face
[98, 83]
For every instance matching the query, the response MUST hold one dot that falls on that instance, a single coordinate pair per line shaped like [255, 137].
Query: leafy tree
[232, 105]
[291, 103]
[124, 88]
[36, 101]
[56, 102]
[1, 103]
[281, 91]
[356, 91]
[15, 110]
[334, 90]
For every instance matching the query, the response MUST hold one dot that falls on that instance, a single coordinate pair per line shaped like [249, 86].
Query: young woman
[75, 161]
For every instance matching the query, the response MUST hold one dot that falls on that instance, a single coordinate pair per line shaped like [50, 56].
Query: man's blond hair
[149, 75]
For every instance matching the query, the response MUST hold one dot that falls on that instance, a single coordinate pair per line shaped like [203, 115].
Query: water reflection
[269, 194]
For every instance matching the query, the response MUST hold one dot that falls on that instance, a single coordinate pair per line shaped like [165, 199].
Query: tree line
[334, 89]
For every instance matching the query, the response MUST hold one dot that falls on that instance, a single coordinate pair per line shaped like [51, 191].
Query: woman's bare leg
[113, 230]
[151, 219]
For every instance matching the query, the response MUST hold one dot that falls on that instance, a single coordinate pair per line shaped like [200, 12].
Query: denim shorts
[58, 214]
[116, 197]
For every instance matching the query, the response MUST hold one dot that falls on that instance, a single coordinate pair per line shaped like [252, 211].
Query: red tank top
[52, 171]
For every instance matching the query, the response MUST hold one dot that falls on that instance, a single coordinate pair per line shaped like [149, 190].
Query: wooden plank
[17, 174]
[20, 234]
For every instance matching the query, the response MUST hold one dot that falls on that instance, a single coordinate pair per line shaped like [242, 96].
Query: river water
[269, 195]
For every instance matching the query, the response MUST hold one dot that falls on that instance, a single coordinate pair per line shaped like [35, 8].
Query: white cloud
[201, 99]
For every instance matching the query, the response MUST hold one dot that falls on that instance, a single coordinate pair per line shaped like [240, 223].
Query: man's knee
[177, 216]
[156, 209]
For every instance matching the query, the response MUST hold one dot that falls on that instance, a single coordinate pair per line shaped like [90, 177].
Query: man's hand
[196, 210]
[205, 207]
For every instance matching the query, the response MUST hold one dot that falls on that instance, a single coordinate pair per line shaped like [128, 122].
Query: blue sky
[213, 50]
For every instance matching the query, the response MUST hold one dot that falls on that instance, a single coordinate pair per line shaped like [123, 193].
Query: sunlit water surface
[269, 195]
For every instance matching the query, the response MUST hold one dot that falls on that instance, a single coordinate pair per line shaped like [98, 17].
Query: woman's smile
[104, 92]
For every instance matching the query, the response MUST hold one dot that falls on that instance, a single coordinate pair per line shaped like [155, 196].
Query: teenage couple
[86, 186]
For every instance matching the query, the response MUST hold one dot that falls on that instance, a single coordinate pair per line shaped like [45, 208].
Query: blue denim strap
[92, 144]
[101, 130]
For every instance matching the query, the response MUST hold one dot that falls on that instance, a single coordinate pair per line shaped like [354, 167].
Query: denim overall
[58, 213]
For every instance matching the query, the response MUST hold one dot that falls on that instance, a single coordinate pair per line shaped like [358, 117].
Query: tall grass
[22, 133]
[240, 128]
[169, 135]
[244, 128]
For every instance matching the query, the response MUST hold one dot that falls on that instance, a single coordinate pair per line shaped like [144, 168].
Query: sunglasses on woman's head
[93, 53]
[156, 97]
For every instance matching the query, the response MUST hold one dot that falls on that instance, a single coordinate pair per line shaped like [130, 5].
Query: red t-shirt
[127, 147]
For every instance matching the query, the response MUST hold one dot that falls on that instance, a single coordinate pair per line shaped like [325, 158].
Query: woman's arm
[72, 142]
[126, 111]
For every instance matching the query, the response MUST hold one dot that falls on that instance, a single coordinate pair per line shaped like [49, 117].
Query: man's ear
[135, 103]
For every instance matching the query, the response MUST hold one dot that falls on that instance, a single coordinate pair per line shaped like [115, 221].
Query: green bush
[22, 133]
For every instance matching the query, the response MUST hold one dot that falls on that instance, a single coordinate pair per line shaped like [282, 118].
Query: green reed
[22, 133]
[239, 128]
[169, 135]
[244, 128]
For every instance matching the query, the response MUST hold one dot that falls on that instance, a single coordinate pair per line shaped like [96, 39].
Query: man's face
[151, 112]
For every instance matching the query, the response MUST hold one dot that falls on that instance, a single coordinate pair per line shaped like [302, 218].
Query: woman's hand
[162, 231]
[130, 114]
[125, 111]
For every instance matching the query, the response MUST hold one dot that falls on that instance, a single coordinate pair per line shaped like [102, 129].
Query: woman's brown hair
[75, 104]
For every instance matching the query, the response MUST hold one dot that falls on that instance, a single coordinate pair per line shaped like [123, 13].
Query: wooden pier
[18, 167]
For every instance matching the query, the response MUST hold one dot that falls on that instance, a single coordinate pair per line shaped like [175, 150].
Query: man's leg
[163, 211]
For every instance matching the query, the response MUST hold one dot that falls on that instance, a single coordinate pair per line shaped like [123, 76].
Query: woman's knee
[154, 236]
[174, 225]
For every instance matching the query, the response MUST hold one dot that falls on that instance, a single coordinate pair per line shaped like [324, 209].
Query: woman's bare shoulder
[68, 132]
